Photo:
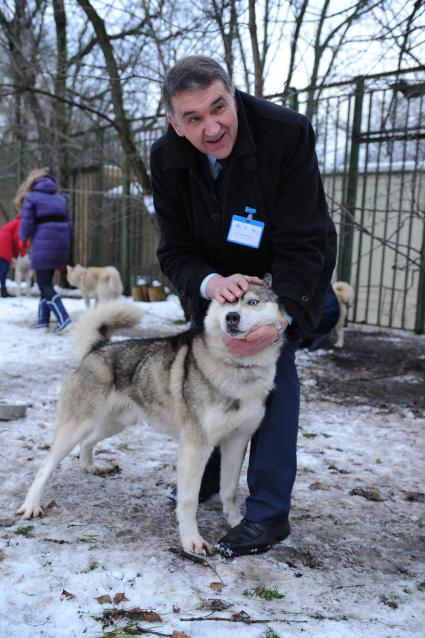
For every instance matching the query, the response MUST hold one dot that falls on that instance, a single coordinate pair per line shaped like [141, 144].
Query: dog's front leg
[232, 454]
[191, 462]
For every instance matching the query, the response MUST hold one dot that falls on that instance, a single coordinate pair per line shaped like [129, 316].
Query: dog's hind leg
[28, 280]
[18, 281]
[65, 440]
[88, 444]
[191, 462]
[232, 454]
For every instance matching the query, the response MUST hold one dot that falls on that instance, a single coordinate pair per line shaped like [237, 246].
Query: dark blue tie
[220, 182]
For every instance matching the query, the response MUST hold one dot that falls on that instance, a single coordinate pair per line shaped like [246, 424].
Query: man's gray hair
[193, 73]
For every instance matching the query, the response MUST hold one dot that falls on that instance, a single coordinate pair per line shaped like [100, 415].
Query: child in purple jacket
[45, 221]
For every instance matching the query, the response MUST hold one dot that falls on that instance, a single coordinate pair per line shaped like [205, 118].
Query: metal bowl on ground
[11, 410]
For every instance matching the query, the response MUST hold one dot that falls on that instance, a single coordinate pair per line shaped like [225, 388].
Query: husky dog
[100, 284]
[23, 272]
[345, 295]
[188, 385]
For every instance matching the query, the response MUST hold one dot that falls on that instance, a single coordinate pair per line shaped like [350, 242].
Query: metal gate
[371, 150]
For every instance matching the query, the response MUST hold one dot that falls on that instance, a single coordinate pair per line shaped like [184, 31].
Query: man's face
[207, 118]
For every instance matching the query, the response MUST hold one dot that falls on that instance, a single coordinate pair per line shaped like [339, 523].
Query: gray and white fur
[188, 385]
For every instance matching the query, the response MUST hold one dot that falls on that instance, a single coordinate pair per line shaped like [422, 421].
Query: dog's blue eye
[253, 302]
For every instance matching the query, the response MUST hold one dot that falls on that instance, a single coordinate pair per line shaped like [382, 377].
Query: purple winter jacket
[46, 222]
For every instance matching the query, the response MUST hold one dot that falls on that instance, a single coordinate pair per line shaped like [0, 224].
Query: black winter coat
[274, 170]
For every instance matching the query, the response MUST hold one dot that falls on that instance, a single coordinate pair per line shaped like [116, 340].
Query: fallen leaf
[149, 616]
[369, 493]
[104, 599]
[119, 598]
[40, 424]
[319, 486]
[216, 586]
[179, 634]
[176, 610]
[51, 504]
[67, 594]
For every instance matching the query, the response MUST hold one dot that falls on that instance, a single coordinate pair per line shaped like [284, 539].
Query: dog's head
[257, 307]
[73, 274]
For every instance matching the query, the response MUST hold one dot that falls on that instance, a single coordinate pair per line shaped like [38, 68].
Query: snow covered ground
[353, 565]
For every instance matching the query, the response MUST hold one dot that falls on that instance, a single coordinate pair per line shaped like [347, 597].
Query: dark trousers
[45, 283]
[273, 453]
[4, 268]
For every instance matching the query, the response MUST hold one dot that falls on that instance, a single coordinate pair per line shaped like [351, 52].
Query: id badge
[244, 231]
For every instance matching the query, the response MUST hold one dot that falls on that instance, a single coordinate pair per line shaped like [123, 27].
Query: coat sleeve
[27, 228]
[300, 227]
[180, 253]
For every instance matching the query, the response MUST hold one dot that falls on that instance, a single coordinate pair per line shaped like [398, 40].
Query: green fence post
[349, 196]
[420, 306]
[125, 237]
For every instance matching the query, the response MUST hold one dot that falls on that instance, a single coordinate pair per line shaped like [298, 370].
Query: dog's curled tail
[344, 292]
[98, 324]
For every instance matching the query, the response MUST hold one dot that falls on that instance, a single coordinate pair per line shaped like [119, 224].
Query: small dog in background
[345, 295]
[100, 284]
[23, 272]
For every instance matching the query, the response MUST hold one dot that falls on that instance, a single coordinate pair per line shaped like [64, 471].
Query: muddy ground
[374, 368]
[353, 565]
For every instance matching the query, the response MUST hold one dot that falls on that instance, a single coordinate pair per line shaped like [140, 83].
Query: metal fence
[370, 138]
[371, 149]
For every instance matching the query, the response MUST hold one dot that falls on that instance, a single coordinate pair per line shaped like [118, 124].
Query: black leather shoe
[251, 538]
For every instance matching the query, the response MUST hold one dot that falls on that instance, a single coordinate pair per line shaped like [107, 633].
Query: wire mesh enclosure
[370, 136]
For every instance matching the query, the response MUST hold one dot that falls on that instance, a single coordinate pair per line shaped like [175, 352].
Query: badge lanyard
[246, 231]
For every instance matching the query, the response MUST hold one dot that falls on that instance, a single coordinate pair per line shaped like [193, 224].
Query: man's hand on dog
[255, 341]
[224, 289]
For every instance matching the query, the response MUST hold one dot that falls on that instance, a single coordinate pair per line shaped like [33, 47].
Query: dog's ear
[267, 279]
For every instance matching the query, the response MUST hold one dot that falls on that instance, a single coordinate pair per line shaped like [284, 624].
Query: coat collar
[180, 154]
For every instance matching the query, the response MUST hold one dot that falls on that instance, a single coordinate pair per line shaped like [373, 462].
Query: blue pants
[273, 460]
[4, 268]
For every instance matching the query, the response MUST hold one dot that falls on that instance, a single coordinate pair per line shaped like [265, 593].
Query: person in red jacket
[10, 246]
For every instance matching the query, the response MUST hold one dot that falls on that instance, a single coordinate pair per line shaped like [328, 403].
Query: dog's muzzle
[232, 322]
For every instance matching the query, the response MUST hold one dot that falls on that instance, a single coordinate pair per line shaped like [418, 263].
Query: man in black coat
[230, 161]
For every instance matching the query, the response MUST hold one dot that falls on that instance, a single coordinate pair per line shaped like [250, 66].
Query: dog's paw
[30, 511]
[197, 545]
